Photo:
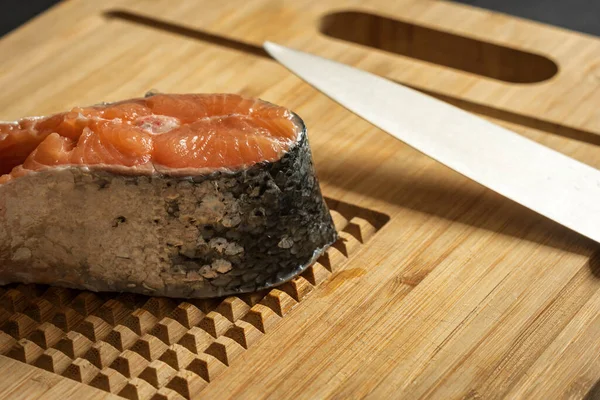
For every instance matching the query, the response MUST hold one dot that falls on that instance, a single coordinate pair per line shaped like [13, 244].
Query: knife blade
[543, 180]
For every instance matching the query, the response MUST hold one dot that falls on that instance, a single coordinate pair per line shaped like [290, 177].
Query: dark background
[578, 15]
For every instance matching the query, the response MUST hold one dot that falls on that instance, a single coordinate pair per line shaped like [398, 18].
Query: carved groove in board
[431, 45]
[149, 347]
[485, 110]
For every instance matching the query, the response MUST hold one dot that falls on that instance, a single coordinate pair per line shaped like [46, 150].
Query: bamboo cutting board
[438, 288]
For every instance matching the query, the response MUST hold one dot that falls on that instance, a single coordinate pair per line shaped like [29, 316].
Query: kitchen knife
[546, 181]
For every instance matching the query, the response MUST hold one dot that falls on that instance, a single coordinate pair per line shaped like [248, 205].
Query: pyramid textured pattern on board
[141, 347]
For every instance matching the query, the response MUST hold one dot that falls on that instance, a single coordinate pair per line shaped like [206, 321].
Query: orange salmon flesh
[162, 132]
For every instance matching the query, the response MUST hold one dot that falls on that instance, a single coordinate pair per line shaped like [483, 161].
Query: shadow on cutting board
[594, 393]
[595, 268]
[421, 196]
[466, 204]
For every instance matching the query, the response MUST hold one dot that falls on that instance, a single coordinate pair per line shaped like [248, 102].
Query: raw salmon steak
[180, 195]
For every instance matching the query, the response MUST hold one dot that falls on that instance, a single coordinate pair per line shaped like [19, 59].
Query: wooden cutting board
[438, 288]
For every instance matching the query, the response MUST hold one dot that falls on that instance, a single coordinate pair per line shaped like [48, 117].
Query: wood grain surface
[20, 381]
[439, 288]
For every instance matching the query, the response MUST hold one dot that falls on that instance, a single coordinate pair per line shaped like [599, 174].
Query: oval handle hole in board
[438, 47]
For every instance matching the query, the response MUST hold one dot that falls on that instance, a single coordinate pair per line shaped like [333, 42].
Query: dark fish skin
[202, 236]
